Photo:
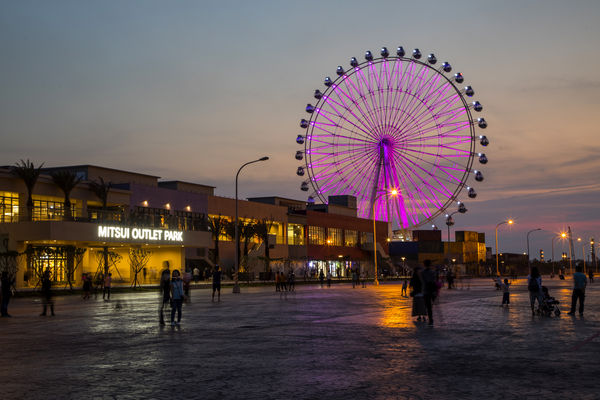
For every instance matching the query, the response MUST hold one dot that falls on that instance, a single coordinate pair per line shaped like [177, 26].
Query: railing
[112, 217]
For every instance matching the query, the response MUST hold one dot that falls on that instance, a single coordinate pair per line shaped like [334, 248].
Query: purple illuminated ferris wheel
[392, 122]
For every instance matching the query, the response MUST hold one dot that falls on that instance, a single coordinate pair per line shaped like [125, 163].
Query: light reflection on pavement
[329, 343]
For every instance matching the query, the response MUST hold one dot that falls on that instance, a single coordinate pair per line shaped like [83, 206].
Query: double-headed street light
[392, 192]
[236, 287]
[562, 235]
[509, 222]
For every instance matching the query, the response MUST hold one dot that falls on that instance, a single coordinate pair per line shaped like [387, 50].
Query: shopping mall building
[144, 223]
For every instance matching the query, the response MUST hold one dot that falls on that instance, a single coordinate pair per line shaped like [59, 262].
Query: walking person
[107, 286]
[283, 281]
[534, 286]
[277, 282]
[505, 293]
[7, 282]
[196, 274]
[87, 286]
[216, 283]
[328, 278]
[165, 289]
[177, 297]
[47, 294]
[364, 276]
[416, 292]
[591, 275]
[579, 285]
[292, 281]
[321, 277]
[429, 289]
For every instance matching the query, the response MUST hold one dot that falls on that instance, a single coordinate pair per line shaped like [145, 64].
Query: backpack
[533, 286]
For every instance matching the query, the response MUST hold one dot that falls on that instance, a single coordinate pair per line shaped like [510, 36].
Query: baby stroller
[549, 304]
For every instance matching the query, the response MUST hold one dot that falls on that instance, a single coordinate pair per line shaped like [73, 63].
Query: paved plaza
[316, 343]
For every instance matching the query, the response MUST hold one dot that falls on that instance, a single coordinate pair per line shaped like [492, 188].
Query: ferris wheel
[395, 132]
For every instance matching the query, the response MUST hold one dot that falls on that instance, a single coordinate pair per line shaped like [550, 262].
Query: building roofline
[99, 167]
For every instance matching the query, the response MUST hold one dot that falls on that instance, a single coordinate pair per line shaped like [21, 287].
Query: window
[295, 234]
[334, 237]
[50, 208]
[316, 235]
[350, 238]
[366, 238]
[9, 207]
[277, 230]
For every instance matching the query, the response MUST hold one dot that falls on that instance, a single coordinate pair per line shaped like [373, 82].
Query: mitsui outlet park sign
[127, 233]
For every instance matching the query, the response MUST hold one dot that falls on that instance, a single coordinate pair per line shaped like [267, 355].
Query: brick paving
[330, 343]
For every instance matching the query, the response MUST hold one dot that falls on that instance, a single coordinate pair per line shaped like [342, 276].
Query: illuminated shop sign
[155, 235]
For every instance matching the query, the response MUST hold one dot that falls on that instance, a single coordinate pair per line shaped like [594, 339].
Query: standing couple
[171, 287]
[423, 291]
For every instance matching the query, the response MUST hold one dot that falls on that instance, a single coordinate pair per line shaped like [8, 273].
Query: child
[505, 293]
[404, 285]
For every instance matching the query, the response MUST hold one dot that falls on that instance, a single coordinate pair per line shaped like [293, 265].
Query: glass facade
[350, 238]
[9, 207]
[51, 208]
[316, 235]
[295, 234]
[334, 237]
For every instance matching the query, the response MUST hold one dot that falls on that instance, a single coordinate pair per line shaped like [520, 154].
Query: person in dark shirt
[216, 283]
[47, 294]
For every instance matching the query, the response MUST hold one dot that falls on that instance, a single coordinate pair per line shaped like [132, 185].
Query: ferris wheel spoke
[356, 86]
[369, 95]
[424, 112]
[325, 114]
[443, 190]
[366, 120]
[449, 178]
[428, 114]
[404, 176]
[349, 109]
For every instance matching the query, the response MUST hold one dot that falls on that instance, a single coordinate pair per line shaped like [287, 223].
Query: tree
[138, 259]
[261, 230]
[66, 180]
[217, 227]
[74, 260]
[29, 174]
[101, 189]
[106, 261]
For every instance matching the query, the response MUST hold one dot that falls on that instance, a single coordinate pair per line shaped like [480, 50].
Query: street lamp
[509, 222]
[236, 287]
[562, 236]
[582, 252]
[529, 258]
[449, 221]
[393, 192]
[593, 251]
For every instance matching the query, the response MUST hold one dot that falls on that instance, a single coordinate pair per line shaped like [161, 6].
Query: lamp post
[509, 222]
[582, 252]
[593, 251]
[529, 258]
[393, 192]
[562, 236]
[236, 287]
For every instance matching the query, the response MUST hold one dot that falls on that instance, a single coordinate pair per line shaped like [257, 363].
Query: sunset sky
[190, 90]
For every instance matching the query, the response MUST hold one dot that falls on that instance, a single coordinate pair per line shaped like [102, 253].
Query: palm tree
[245, 231]
[29, 174]
[217, 228]
[261, 230]
[101, 189]
[66, 180]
